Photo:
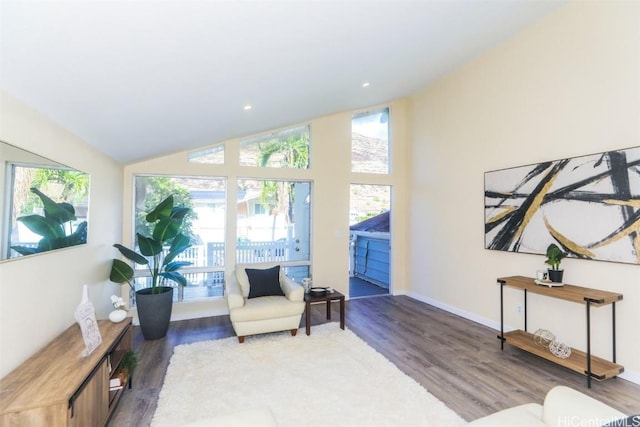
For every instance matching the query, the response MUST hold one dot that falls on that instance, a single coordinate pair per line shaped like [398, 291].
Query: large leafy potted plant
[554, 257]
[55, 226]
[154, 304]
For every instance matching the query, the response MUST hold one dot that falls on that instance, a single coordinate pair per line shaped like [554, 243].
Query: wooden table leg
[329, 309]
[342, 313]
[308, 319]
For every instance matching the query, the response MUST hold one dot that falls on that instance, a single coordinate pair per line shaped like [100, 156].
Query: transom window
[213, 155]
[284, 149]
[370, 142]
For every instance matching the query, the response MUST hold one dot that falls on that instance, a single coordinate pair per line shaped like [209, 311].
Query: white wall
[567, 86]
[39, 293]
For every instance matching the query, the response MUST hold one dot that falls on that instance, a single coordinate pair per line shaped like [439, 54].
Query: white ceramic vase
[117, 316]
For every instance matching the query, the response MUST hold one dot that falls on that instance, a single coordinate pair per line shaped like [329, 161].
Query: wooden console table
[579, 361]
[57, 386]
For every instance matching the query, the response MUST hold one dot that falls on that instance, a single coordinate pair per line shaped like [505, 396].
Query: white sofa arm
[233, 293]
[564, 406]
[293, 290]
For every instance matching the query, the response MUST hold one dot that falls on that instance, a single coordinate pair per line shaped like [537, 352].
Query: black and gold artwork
[588, 205]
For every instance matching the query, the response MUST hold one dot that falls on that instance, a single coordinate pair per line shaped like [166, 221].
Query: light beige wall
[39, 293]
[567, 86]
[331, 175]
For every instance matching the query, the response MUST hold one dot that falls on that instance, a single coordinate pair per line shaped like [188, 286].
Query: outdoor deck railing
[212, 254]
[209, 283]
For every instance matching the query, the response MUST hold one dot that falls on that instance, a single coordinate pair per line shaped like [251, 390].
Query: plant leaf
[61, 212]
[178, 213]
[148, 246]
[174, 266]
[162, 210]
[48, 244]
[132, 255]
[25, 250]
[79, 236]
[179, 244]
[120, 271]
[43, 226]
[166, 229]
[175, 276]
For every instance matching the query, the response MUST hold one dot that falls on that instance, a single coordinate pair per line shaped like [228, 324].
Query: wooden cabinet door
[91, 404]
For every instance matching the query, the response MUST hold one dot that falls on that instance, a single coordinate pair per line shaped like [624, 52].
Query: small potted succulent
[554, 257]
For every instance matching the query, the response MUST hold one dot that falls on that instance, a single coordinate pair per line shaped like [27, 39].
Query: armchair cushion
[272, 307]
[264, 282]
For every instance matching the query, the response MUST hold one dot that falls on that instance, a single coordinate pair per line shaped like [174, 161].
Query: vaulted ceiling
[138, 79]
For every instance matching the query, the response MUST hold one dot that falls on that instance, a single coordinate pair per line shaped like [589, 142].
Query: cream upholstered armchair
[262, 299]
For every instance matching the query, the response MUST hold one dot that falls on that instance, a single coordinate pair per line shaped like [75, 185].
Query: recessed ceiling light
[366, 84]
[247, 107]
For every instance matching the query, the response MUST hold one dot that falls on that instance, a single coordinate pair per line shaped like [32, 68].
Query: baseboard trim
[458, 312]
[631, 376]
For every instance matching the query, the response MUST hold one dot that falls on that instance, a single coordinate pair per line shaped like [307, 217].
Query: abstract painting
[588, 205]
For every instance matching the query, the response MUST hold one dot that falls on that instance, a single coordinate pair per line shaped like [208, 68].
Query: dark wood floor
[457, 360]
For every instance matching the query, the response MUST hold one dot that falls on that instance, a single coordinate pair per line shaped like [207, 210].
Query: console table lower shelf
[601, 369]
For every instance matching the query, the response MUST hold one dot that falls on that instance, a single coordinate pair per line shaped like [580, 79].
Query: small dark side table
[328, 297]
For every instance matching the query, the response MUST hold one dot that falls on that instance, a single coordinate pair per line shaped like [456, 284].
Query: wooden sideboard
[57, 386]
[579, 361]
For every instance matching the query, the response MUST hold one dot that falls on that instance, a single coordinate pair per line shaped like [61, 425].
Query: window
[285, 149]
[370, 142]
[211, 155]
[281, 231]
[205, 225]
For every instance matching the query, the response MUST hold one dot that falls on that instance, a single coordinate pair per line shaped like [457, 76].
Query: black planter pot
[555, 275]
[154, 311]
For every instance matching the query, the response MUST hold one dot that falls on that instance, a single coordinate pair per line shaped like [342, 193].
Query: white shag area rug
[330, 378]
